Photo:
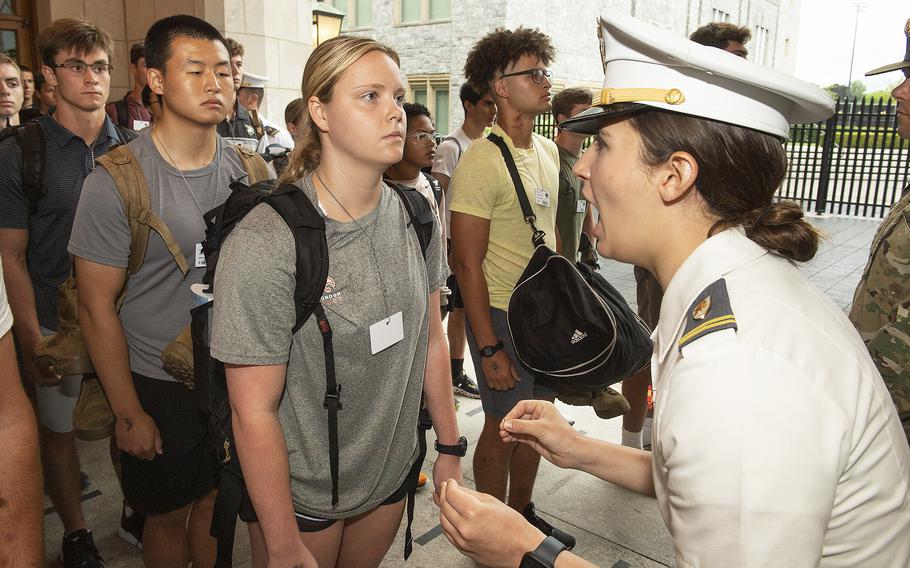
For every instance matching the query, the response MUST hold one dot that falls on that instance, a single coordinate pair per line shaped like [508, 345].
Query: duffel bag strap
[537, 236]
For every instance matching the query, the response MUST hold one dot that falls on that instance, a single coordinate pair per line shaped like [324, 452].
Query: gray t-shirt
[158, 298]
[254, 315]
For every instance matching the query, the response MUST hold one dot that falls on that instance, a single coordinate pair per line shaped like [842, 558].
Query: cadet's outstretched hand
[538, 424]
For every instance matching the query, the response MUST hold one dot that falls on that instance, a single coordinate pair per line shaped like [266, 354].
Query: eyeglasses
[81, 67]
[537, 74]
[425, 138]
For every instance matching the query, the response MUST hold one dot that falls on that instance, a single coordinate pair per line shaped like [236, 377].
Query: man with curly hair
[492, 245]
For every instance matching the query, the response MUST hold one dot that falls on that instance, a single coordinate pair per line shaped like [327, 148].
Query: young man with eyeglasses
[168, 462]
[492, 245]
[419, 151]
[76, 59]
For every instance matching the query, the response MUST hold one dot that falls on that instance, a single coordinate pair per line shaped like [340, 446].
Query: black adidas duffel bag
[567, 323]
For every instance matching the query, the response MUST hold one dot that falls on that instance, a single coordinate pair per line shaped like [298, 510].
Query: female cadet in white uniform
[775, 440]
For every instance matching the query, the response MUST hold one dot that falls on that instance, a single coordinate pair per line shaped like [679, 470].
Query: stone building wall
[441, 48]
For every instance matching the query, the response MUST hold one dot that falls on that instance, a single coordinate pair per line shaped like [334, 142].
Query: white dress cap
[253, 80]
[645, 66]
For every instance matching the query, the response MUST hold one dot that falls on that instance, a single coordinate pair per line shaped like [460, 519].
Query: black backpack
[30, 138]
[568, 324]
[308, 228]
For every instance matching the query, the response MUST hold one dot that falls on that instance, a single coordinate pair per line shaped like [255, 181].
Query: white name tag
[386, 332]
[581, 206]
[200, 256]
[140, 124]
[542, 196]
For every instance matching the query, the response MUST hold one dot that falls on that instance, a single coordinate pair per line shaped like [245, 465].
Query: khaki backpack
[65, 350]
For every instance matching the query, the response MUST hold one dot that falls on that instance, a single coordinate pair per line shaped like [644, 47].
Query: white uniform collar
[714, 258]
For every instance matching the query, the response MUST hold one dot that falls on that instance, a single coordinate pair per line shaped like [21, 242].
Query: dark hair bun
[782, 228]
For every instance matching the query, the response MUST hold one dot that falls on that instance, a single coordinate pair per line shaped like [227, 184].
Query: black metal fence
[854, 163]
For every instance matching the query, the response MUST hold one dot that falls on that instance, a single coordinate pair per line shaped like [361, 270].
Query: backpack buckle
[332, 399]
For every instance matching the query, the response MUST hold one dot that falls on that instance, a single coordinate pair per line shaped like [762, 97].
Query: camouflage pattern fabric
[881, 305]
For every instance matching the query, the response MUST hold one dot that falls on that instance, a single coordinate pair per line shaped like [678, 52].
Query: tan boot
[177, 358]
[609, 403]
[65, 351]
[92, 417]
[575, 397]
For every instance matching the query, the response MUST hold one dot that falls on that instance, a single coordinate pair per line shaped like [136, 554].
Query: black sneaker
[79, 551]
[546, 528]
[464, 386]
[131, 528]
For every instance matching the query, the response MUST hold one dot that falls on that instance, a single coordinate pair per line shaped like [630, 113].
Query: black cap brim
[893, 67]
[594, 118]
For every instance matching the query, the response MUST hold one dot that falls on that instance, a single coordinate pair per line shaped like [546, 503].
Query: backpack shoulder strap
[419, 212]
[123, 167]
[308, 228]
[30, 137]
[255, 166]
[436, 187]
[126, 135]
[123, 112]
[457, 145]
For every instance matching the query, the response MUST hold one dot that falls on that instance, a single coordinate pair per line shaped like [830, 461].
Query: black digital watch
[459, 450]
[491, 350]
[544, 556]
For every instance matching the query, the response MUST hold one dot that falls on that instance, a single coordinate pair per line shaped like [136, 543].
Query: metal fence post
[824, 178]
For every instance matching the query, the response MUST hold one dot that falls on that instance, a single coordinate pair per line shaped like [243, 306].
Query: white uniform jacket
[775, 441]
[280, 136]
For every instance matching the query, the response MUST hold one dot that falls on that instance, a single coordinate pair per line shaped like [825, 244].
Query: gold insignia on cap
[674, 97]
[610, 96]
[701, 310]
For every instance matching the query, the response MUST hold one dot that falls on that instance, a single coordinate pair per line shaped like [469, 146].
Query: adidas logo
[578, 336]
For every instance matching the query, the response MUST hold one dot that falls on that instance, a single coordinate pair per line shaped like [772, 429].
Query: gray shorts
[499, 403]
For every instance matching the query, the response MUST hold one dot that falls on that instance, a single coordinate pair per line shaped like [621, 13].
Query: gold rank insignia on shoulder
[709, 312]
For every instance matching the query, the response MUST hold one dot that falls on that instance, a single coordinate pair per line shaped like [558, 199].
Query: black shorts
[309, 524]
[188, 469]
[456, 302]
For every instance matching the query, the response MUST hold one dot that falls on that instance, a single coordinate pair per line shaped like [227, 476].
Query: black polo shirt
[68, 162]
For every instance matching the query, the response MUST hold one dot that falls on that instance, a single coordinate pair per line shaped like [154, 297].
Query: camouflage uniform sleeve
[889, 347]
[881, 307]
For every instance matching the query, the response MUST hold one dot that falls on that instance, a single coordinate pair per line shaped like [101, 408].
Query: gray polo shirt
[68, 161]
[254, 314]
[158, 299]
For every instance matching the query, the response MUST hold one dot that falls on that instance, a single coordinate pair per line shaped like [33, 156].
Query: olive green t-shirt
[569, 218]
[380, 394]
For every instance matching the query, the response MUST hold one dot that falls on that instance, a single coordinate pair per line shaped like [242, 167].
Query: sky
[826, 38]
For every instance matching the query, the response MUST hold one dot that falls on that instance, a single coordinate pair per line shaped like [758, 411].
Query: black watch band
[459, 450]
[544, 556]
[491, 350]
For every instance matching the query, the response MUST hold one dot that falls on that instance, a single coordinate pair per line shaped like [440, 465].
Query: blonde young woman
[354, 129]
